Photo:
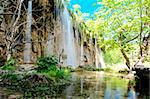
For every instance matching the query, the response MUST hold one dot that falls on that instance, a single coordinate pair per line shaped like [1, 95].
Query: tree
[11, 36]
[125, 22]
[122, 24]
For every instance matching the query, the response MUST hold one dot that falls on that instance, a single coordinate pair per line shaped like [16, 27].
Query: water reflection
[142, 85]
[132, 94]
[96, 85]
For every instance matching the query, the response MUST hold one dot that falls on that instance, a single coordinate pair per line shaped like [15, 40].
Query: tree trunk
[9, 37]
[141, 30]
[126, 58]
[145, 48]
[143, 43]
[123, 52]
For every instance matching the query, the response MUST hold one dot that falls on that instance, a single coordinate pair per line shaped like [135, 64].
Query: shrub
[48, 66]
[52, 73]
[59, 73]
[10, 65]
[47, 63]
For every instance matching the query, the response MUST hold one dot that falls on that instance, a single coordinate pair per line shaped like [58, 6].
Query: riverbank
[30, 84]
[80, 84]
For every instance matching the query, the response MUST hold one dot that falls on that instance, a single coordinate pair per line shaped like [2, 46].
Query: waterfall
[96, 53]
[1, 11]
[50, 44]
[82, 55]
[27, 49]
[101, 59]
[70, 49]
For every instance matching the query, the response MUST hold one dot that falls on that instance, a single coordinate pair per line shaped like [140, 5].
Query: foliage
[113, 57]
[119, 25]
[10, 76]
[67, 69]
[59, 73]
[10, 65]
[33, 85]
[89, 68]
[86, 68]
[47, 63]
[92, 68]
[107, 69]
[48, 66]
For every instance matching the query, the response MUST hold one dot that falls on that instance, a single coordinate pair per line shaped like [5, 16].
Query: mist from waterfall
[70, 49]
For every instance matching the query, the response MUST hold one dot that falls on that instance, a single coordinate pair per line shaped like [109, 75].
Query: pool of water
[100, 85]
[96, 85]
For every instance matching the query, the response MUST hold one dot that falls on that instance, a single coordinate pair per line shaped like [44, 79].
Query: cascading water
[98, 56]
[27, 49]
[101, 59]
[70, 49]
[50, 44]
[81, 57]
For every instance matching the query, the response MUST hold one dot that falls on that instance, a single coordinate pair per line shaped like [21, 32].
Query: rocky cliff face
[52, 32]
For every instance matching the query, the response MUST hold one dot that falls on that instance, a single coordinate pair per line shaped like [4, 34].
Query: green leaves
[10, 65]
[46, 63]
[48, 66]
[118, 24]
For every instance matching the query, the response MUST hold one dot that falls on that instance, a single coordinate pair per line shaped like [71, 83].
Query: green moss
[9, 65]
[93, 68]
[107, 69]
[8, 68]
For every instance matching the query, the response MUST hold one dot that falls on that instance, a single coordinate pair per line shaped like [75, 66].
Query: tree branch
[132, 38]
[19, 12]
[8, 14]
